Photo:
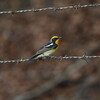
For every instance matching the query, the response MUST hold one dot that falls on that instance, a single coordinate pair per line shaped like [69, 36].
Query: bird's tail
[33, 57]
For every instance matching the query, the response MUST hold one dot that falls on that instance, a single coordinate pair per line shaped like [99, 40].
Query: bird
[47, 49]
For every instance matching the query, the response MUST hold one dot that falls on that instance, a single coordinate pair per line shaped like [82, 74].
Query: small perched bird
[47, 49]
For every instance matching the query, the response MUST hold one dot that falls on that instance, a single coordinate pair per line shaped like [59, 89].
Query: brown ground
[21, 35]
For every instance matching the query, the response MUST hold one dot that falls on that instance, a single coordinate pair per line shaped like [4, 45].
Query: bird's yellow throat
[57, 41]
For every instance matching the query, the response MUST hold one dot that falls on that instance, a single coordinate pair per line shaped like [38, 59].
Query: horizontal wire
[50, 57]
[48, 8]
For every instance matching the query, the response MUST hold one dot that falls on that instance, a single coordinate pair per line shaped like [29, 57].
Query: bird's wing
[45, 48]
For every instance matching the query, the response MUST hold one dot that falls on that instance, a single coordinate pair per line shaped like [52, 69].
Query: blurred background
[21, 35]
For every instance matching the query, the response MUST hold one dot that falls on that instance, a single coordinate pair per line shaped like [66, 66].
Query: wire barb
[48, 8]
[50, 57]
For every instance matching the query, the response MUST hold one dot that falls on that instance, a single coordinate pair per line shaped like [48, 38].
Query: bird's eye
[54, 39]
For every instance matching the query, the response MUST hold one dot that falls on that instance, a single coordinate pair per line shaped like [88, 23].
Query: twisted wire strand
[50, 57]
[48, 8]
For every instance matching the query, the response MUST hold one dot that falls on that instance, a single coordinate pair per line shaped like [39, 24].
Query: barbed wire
[50, 57]
[48, 8]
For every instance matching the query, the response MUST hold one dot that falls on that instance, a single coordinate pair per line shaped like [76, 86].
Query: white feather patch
[51, 44]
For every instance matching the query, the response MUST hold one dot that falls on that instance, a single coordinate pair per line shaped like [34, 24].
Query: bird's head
[55, 39]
